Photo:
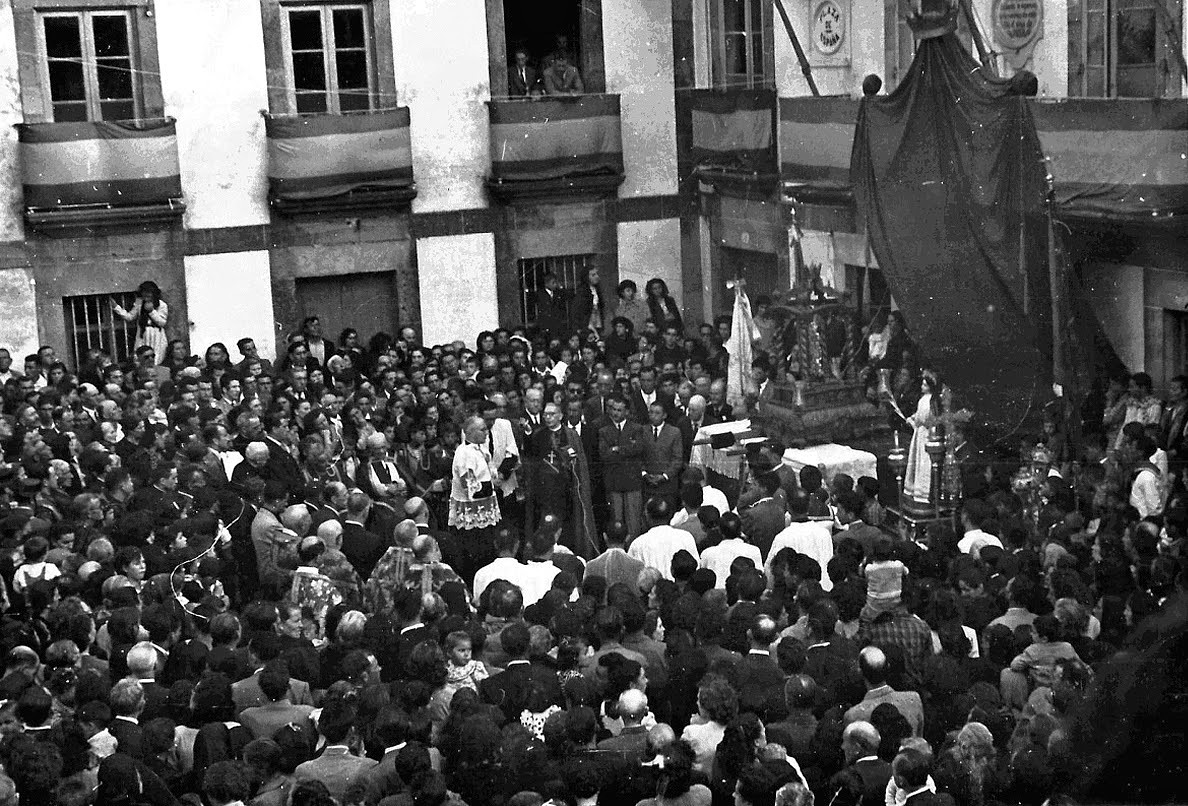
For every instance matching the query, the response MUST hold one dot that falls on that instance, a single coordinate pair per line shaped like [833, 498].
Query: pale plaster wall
[217, 102]
[637, 45]
[458, 295]
[1116, 293]
[11, 221]
[229, 297]
[18, 314]
[865, 50]
[650, 249]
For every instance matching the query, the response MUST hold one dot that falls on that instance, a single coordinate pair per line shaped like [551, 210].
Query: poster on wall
[1018, 26]
[829, 33]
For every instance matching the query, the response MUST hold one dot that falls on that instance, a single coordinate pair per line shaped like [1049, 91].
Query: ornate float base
[817, 412]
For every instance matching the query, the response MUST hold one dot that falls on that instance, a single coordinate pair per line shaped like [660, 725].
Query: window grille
[90, 322]
[567, 268]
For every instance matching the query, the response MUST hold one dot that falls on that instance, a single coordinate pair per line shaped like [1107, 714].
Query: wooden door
[366, 302]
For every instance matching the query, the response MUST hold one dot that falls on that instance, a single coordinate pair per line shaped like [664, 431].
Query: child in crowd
[464, 671]
[1046, 651]
[884, 580]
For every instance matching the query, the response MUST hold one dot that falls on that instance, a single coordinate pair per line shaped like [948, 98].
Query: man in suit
[127, 704]
[337, 766]
[263, 649]
[597, 408]
[664, 458]
[758, 675]
[551, 311]
[717, 409]
[161, 500]
[647, 394]
[872, 662]
[513, 688]
[764, 388]
[320, 348]
[412, 631]
[276, 546]
[849, 513]
[632, 742]
[562, 78]
[910, 771]
[764, 519]
[142, 667]
[621, 447]
[265, 720]
[521, 76]
[864, 779]
[362, 547]
[378, 475]
[281, 463]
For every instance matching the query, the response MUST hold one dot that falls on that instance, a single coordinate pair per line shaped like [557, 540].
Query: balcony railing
[1117, 158]
[732, 134]
[318, 162]
[1110, 158]
[545, 146]
[77, 174]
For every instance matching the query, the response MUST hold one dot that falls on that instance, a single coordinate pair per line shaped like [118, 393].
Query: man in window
[562, 78]
[521, 76]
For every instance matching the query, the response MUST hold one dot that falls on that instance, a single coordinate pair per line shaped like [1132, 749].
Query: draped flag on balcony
[322, 156]
[732, 130]
[1117, 157]
[816, 135]
[555, 138]
[119, 163]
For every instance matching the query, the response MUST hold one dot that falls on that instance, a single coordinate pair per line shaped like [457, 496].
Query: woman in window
[662, 308]
[151, 318]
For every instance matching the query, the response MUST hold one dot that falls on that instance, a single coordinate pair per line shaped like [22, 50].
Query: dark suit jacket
[405, 643]
[621, 469]
[129, 737]
[632, 743]
[638, 409]
[265, 720]
[551, 312]
[759, 679]
[362, 548]
[719, 414]
[512, 689]
[595, 409]
[761, 522]
[665, 454]
[517, 86]
[247, 694]
[284, 467]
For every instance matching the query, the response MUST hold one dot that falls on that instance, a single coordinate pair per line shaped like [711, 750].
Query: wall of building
[11, 221]
[234, 292]
[457, 275]
[1116, 293]
[1049, 58]
[442, 76]
[865, 51]
[650, 249]
[217, 102]
[18, 313]
[637, 41]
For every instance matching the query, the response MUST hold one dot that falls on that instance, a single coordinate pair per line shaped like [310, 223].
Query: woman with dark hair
[620, 342]
[675, 786]
[175, 357]
[622, 673]
[151, 317]
[427, 664]
[737, 751]
[588, 306]
[662, 308]
[630, 306]
[217, 362]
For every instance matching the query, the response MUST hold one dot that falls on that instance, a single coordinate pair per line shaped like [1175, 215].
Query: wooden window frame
[329, 51]
[718, 76]
[1164, 50]
[33, 69]
[593, 60]
[278, 57]
[84, 17]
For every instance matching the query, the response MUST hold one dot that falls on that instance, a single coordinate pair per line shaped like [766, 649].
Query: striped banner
[122, 163]
[733, 130]
[322, 156]
[554, 138]
[816, 135]
[1127, 157]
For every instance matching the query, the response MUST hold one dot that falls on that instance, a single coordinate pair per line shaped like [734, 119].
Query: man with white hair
[632, 741]
[142, 667]
[864, 779]
[253, 466]
[378, 477]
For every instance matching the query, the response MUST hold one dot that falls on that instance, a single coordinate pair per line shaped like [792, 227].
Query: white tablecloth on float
[833, 459]
[718, 461]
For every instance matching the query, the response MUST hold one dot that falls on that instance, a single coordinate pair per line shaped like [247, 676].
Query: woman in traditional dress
[151, 317]
[917, 482]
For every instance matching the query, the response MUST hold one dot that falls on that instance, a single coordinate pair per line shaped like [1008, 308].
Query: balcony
[319, 163]
[732, 136]
[1110, 159]
[555, 146]
[100, 173]
[1118, 159]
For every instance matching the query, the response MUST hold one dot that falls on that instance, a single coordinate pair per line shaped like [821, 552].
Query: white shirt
[507, 568]
[975, 540]
[537, 579]
[656, 547]
[1145, 494]
[719, 558]
[810, 538]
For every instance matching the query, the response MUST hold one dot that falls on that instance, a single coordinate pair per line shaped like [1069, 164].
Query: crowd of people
[391, 573]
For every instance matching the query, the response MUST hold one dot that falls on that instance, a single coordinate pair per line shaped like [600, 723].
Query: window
[328, 57]
[89, 65]
[1124, 48]
[744, 51]
[91, 323]
[567, 268]
[542, 30]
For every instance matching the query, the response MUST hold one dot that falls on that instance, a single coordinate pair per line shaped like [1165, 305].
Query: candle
[896, 435]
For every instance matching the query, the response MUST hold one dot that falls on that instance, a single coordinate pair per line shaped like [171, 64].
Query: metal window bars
[91, 323]
[567, 268]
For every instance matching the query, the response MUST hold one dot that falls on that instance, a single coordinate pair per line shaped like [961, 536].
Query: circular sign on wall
[1017, 23]
[829, 27]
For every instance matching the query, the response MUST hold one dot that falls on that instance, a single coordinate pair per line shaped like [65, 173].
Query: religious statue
[930, 423]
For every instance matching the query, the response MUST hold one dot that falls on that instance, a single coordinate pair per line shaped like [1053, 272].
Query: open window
[542, 31]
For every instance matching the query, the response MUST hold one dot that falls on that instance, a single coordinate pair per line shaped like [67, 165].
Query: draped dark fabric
[950, 181]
